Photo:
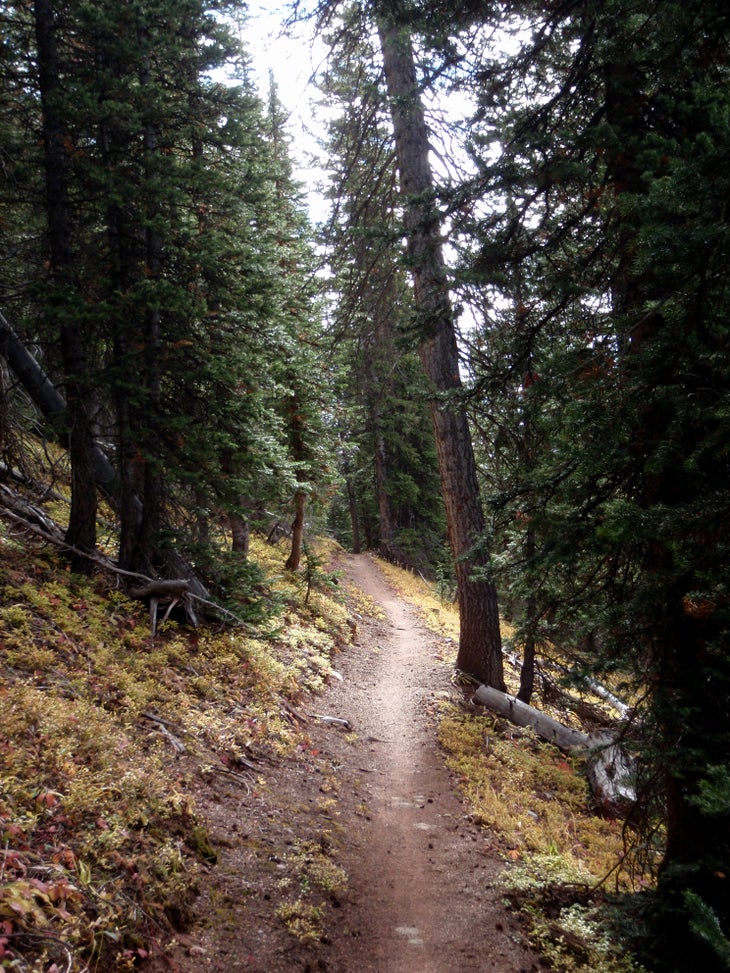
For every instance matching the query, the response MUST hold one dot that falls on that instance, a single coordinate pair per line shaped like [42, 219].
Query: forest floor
[356, 854]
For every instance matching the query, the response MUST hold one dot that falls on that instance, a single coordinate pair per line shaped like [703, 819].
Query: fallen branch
[159, 719]
[30, 517]
[55, 943]
[232, 773]
[290, 709]
[333, 721]
[52, 535]
[610, 769]
[163, 725]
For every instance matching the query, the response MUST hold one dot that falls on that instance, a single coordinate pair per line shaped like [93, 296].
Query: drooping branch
[49, 401]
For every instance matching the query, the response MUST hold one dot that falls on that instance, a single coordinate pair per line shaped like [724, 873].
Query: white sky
[292, 59]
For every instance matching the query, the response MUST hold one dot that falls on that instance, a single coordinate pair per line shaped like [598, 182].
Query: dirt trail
[421, 896]
[421, 875]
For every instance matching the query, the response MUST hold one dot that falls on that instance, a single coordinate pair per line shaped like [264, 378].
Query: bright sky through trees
[292, 57]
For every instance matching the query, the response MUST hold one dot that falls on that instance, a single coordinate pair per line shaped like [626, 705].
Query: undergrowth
[100, 844]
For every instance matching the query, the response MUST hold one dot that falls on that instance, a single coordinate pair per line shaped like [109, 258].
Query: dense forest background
[502, 360]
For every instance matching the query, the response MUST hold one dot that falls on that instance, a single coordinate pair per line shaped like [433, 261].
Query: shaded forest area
[502, 360]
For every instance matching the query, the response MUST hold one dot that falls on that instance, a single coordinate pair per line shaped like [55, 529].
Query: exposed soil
[377, 799]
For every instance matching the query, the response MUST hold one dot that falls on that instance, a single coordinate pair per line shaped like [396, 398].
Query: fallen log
[611, 772]
[521, 714]
[172, 591]
[609, 768]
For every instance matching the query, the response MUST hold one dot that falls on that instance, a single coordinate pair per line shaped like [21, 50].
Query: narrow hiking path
[378, 798]
[422, 876]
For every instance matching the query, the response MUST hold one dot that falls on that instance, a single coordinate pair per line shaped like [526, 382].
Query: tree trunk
[297, 532]
[689, 688]
[81, 532]
[527, 673]
[480, 648]
[352, 504]
[240, 534]
[50, 403]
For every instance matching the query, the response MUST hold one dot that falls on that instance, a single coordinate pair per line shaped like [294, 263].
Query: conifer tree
[177, 286]
[480, 647]
[612, 126]
[298, 357]
[73, 330]
[397, 486]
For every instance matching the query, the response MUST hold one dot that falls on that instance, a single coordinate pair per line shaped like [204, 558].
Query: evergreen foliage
[158, 263]
[177, 316]
[595, 221]
[390, 460]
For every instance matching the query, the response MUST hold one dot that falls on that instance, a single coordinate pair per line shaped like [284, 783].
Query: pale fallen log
[521, 714]
[163, 725]
[609, 768]
[608, 697]
[611, 772]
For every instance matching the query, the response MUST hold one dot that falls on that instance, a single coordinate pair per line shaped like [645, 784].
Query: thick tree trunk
[675, 665]
[146, 425]
[480, 649]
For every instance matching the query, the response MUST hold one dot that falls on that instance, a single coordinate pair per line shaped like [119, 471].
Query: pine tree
[605, 193]
[480, 647]
[74, 339]
[303, 376]
[173, 283]
[397, 485]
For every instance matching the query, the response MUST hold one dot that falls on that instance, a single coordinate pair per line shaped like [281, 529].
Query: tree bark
[240, 534]
[480, 649]
[527, 674]
[297, 532]
[521, 714]
[81, 531]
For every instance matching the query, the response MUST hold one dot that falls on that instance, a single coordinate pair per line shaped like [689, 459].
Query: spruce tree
[303, 376]
[398, 493]
[612, 129]
[480, 647]
[173, 284]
